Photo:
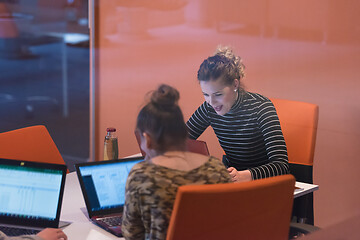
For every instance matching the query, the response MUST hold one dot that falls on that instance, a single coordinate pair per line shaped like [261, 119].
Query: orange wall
[299, 50]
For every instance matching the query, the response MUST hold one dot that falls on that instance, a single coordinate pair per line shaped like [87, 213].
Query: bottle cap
[111, 129]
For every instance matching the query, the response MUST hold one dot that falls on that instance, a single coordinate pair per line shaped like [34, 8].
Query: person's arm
[52, 234]
[46, 234]
[132, 225]
[269, 125]
[198, 122]
[24, 237]
[239, 176]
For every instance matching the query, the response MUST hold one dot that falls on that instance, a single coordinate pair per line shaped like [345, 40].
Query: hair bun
[228, 53]
[225, 51]
[165, 97]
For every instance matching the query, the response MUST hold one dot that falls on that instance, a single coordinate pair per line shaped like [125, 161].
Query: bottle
[111, 144]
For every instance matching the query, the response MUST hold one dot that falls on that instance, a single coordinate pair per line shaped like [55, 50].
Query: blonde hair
[228, 52]
[224, 64]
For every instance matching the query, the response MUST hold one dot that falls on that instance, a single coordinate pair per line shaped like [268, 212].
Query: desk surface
[74, 210]
[304, 188]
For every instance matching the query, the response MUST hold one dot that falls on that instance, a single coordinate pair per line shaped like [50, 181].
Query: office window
[44, 61]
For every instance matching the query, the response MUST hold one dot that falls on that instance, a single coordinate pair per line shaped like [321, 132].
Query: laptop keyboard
[111, 221]
[12, 231]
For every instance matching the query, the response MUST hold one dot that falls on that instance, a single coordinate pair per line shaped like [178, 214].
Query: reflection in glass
[44, 59]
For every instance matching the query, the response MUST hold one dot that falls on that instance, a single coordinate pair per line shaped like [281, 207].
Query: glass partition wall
[297, 50]
[44, 76]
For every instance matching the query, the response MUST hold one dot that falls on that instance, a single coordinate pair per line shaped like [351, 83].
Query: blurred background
[44, 71]
[298, 50]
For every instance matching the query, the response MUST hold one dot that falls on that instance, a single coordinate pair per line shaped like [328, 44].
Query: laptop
[31, 195]
[103, 187]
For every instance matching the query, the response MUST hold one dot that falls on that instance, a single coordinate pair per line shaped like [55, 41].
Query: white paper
[95, 235]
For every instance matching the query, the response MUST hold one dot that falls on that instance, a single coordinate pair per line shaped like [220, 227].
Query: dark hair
[163, 120]
[223, 64]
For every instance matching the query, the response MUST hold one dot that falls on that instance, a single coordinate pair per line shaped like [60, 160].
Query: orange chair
[195, 146]
[299, 121]
[31, 144]
[259, 209]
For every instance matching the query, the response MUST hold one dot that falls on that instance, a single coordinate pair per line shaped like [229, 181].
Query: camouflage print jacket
[151, 191]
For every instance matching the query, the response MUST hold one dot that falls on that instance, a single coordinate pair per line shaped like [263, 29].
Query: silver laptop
[30, 196]
[103, 187]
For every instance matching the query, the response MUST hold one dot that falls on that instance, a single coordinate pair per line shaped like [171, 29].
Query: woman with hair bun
[245, 123]
[152, 184]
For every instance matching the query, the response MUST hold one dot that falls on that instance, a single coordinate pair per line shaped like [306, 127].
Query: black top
[250, 134]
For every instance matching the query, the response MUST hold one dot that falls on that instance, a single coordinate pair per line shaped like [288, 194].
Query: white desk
[74, 210]
[304, 188]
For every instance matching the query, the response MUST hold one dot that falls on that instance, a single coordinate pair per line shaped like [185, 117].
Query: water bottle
[111, 144]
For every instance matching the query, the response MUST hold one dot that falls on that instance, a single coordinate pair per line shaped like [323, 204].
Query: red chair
[195, 146]
[30, 144]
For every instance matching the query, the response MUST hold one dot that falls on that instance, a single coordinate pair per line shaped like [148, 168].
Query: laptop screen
[31, 192]
[103, 183]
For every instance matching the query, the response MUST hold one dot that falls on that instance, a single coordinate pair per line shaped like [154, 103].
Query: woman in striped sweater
[246, 124]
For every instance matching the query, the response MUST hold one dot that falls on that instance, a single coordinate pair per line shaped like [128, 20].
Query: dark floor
[25, 81]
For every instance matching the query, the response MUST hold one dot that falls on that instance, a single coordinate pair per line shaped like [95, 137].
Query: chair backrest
[30, 143]
[259, 209]
[195, 146]
[299, 121]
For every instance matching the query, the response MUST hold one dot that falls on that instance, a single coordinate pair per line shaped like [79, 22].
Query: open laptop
[30, 196]
[103, 187]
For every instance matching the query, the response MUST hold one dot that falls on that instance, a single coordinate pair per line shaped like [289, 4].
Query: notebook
[30, 196]
[103, 187]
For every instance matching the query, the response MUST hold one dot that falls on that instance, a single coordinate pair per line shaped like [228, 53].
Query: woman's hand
[239, 176]
[52, 234]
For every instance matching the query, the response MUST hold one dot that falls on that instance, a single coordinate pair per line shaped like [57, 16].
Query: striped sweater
[250, 135]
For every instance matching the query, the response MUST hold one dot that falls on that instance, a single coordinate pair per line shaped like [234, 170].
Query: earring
[235, 90]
